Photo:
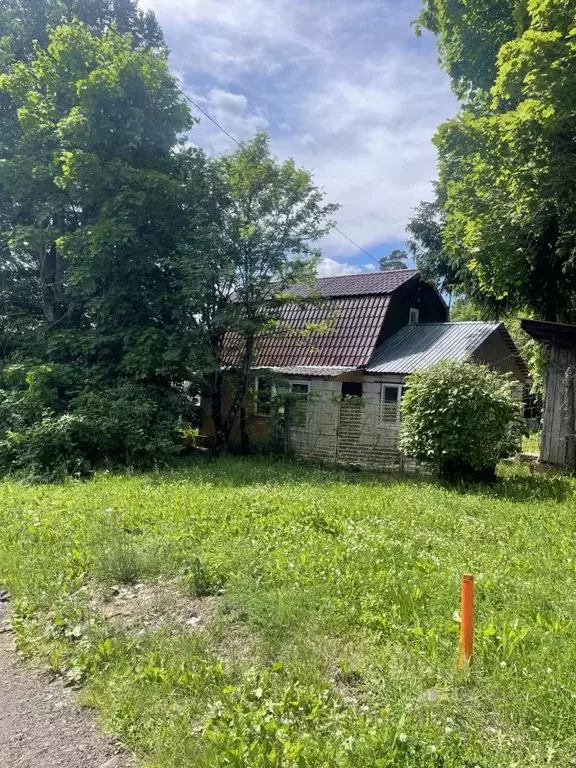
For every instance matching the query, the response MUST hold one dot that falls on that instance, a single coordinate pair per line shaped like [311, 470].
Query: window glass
[352, 389]
[391, 394]
[299, 387]
[390, 403]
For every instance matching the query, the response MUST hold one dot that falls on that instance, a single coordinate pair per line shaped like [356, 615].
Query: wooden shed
[558, 443]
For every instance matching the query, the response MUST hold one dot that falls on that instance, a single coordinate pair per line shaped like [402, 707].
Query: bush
[54, 421]
[460, 418]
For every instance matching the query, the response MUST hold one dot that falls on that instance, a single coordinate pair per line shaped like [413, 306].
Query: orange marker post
[466, 619]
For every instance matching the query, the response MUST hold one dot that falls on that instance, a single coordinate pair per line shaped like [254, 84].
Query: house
[558, 441]
[374, 330]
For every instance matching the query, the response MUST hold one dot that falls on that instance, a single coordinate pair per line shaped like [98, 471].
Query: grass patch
[531, 443]
[333, 640]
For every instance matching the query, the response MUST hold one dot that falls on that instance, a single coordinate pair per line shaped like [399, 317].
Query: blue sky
[342, 86]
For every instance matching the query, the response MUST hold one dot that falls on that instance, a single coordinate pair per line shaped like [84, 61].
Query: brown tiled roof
[353, 306]
[354, 327]
[365, 284]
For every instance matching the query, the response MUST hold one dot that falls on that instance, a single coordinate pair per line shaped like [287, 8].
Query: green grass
[335, 639]
[531, 443]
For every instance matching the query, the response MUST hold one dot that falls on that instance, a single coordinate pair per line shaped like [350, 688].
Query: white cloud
[229, 108]
[343, 86]
[330, 268]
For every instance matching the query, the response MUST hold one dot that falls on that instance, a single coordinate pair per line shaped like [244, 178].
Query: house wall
[558, 443]
[495, 353]
[258, 426]
[419, 295]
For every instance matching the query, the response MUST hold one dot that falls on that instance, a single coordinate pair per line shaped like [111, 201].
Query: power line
[206, 114]
[239, 144]
[356, 244]
[232, 138]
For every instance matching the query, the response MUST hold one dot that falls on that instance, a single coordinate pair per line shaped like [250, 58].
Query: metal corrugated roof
[417, 346]
[365, 284]
[325, 371]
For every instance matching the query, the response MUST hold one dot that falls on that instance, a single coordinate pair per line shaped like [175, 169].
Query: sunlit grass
[335, 641]
[531, 443]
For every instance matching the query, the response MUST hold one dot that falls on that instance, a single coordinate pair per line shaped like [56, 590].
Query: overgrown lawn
[331, 637]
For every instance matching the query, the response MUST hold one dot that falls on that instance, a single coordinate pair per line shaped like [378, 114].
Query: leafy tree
[469, 35]
[396, 259]
[25, 24]
[426, 243]
[91, 217]
[265, 218]
[460, 418]
[507, 160]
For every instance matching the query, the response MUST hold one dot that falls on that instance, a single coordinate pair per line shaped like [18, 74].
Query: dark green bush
[461, 419]
[55, 422]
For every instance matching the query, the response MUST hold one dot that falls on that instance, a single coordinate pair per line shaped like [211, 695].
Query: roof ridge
[366, 274]
[466, 322]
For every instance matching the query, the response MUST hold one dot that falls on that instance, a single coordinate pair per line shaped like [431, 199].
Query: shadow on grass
[514, 483]
[522, 488]
[240, 471]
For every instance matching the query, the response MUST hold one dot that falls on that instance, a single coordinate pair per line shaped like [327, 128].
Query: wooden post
[466, 619]
[287, 425]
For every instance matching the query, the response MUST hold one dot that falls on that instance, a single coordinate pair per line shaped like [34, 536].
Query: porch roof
[418, 346]
[324, 371]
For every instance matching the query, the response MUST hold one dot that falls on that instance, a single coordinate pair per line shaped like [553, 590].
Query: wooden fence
[342, 432]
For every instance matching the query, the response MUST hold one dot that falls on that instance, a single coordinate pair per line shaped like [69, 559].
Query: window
[390, 396]
[299, 387]
[414, 316]
[263, 400]
[351, 389]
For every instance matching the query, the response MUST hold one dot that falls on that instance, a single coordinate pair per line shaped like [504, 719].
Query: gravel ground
[41, 726]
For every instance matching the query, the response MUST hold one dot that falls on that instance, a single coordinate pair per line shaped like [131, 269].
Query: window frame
[360, 383]
[299, 382]
[414, 312]
[399, 387]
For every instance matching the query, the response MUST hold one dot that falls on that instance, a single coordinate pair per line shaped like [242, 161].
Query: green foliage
[265, 218]
[506, 161]
[25, 24]
[396, 259]
[459, 415]
[328, 637]
[469, 35]
[94, 320]
[55, 422]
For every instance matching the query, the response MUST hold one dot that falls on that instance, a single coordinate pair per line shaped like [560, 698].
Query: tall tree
[469, 36]
[266, 217]
[91, 214]
[507, 161]
[396, 259]
[25, 24]
[90, 207]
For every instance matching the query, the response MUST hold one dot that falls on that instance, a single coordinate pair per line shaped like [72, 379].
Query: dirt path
[40, 724]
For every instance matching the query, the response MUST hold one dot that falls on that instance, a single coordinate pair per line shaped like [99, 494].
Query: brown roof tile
[365, 284]
[354, 326]
[354, 307]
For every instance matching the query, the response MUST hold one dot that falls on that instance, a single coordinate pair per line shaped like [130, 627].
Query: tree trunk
[241, 389]
[549, 268]
[244, 438]
[51, 277]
